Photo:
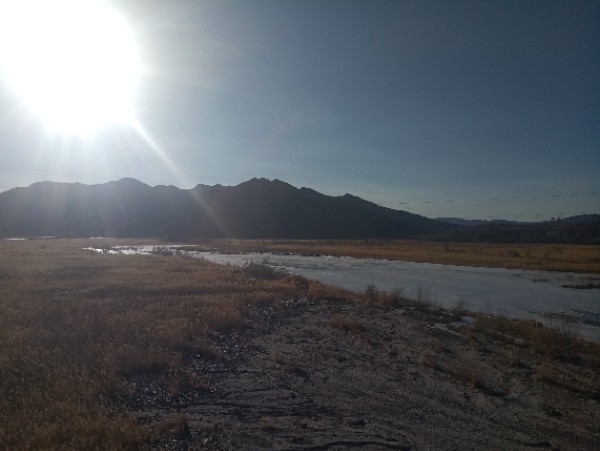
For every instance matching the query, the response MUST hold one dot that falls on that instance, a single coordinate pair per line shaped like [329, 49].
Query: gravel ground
[339, 375]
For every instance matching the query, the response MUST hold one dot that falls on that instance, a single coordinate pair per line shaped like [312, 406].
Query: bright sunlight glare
[73, 62]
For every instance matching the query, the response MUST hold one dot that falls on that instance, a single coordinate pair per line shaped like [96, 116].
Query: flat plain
[155, 352]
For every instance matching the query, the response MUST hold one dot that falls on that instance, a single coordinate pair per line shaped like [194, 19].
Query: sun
[74, 62]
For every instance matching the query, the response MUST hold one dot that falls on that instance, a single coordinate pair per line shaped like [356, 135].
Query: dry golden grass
[75, 325]
[551, 257]
[346, 323]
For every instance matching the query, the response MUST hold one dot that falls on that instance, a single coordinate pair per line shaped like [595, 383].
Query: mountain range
[258, 208]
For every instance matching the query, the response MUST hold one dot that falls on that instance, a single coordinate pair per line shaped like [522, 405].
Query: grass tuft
[557, 343]
[347, 323]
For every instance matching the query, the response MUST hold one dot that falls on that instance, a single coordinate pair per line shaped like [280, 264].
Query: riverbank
[127, 351]
[343, 375]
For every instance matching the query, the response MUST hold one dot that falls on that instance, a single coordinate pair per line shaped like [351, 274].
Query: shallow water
[510, 292]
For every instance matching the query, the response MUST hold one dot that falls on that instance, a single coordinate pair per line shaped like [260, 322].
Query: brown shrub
[346, 323]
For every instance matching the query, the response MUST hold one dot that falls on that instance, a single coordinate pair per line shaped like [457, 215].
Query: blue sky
[475, 109]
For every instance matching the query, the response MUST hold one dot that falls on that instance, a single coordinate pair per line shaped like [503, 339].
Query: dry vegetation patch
[76, 327]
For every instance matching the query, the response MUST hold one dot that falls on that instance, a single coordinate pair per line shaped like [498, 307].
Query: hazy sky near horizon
[475, 109]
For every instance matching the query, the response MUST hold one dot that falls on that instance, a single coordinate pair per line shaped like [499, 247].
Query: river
[539, 295]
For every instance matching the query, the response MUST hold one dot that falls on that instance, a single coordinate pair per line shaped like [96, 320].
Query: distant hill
[476, 222]
[580, 229]
[258, 208]
[578, 219]
[581, 219]
[559, 232]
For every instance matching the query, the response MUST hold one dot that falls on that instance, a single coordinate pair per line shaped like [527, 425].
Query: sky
[472, 109]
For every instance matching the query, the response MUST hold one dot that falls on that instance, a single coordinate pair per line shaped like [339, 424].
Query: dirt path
[329, 376]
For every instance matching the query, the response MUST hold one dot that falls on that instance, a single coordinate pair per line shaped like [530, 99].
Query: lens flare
[74, 63]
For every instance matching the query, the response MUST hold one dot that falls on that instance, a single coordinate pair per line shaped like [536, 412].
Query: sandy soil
[337, 375]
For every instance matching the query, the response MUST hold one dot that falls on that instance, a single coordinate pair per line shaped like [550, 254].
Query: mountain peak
[129, 181]
[257, 208]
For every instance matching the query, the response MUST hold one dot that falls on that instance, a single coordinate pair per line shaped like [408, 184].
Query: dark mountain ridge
[258, 208]
[579, 229]
[577, 219]
[559, 232]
